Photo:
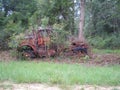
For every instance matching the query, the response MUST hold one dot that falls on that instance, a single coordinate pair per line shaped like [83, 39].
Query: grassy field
[51, 73]
[106, 51]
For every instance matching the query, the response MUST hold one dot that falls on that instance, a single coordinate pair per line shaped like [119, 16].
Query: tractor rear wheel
[26, 52]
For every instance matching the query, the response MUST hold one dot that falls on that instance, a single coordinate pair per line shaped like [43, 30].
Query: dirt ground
[24, 86]
[97, 59]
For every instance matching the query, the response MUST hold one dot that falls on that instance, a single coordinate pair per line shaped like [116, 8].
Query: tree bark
[81, 24]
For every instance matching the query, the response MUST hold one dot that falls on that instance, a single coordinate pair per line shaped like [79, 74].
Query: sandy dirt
[24, 86]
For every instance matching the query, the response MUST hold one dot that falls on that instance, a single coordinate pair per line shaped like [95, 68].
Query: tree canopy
[101, 27]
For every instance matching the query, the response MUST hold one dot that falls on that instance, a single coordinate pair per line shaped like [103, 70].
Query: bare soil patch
[105, 59]
[97, 59]
[6, 56]
[36, 86]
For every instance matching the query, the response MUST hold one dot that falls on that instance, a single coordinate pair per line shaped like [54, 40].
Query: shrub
[107, 42]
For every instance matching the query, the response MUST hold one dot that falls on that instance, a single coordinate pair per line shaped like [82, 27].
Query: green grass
[51, 73]
[104, 51]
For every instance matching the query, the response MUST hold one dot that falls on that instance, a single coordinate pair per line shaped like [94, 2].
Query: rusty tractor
[38, 44]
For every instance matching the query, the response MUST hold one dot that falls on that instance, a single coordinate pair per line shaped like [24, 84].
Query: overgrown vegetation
[32, 72]
[102, 20]
[106, 51]
[102, 23]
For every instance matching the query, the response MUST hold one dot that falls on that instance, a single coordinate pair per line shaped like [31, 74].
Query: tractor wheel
[28, 54]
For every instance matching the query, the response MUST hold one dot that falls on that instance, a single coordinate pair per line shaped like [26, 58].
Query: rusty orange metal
[36, 44]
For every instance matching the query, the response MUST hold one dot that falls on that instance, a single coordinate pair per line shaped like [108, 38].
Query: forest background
[101, 28]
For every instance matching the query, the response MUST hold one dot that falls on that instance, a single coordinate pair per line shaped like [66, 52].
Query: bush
[15, 40]
[107, 42]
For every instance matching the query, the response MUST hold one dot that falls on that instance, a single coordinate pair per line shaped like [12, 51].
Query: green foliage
[101, 19]
[44, 21]
[15, 40]
[58, 12]
[14, 19]
[19, 15]
[102, 23]
[59, 37]
[27, 72]
[60, 32]
[107, 42]
[104, 51]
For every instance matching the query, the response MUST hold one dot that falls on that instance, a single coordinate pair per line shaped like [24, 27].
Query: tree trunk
[81, 24]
